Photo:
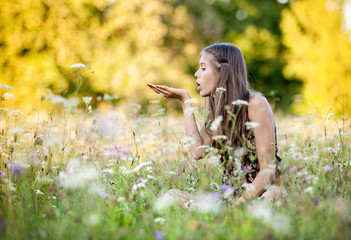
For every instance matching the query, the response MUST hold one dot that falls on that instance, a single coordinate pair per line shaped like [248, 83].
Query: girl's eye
[203, 69]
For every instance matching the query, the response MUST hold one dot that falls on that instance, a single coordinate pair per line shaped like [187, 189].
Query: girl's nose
[196, 75]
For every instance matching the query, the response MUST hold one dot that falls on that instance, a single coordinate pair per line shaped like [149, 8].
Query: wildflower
[87, 100]
[293, 170]
[213, 196]
[154, 101]
[171, 172]
[225, 187]
[191, 101]
[104, 195]
[16, 169]
[4, 86]
[38, 192]
[4, 109]
[220, 90]
[2, 222]
[328, 168]
[139, 185]
[2, 174]
[240, 102]
[215, 124]
[160, 220]
[16, 130]
[250, 125]
[140, 166]
[308, 190]
[92, 219]
[159, 235]
[150, 177]
[107, 97]
[8, 96]
[219, 137]
[214, 185]
[16, 112]
[316, 202]
[78, 65]
[58, 99]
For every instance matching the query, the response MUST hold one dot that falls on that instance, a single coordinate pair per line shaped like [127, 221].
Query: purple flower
[213, 196]
[2, 225]
[328, 168]
[104, 195]
[244, 169]
[139, 180]
[225, 187]
[316, 202]
[293, 170]
[2, 174]
[159, 235]
[16, 169]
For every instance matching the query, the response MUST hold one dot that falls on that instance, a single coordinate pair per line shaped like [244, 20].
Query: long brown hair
[229, 61]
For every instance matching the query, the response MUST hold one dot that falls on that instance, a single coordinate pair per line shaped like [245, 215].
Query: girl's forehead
[206, 58]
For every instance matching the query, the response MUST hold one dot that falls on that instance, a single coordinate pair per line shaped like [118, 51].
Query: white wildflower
[4, 109]
[215, 124]
[139, 185]
[8, 96]
[16, 130]
[191, 110]
[77, 175]
[28, 135]
[38, 192]
[107, 97]
[220, 90]
[58, 99]
[215, 160]
[171, 173]
[188, 140]
[92, 219]
[87, 100]
[240, 102]
[309, 190]
[251, 125]
[191, 101]
[150, 177]
[160, 220]
[154, 101]
[214, 186]
[78, 65]
[270, 218]
[165, 201]
[107, 170]
[123, 169]
[16, 112]
[140, 166]
[4, 86]
[90, 109]
[219, 137]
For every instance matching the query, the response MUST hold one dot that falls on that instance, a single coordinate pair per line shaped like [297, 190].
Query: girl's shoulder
[257, 100]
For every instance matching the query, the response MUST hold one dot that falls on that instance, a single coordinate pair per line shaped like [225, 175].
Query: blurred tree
[122, 41]
[253, 25]
[319, 50]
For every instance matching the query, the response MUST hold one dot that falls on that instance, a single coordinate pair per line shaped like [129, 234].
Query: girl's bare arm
[191, 129]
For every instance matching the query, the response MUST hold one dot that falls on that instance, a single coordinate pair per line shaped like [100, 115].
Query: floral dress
[242, 168]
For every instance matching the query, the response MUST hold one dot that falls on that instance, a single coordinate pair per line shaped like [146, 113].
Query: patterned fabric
[246, 159]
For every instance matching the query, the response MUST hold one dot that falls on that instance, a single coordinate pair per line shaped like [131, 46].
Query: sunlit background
[297, 52]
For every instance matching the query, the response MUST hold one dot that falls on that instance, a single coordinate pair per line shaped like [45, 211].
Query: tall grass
[81, 174]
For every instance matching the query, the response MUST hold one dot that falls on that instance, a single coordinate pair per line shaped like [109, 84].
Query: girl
[232, 110]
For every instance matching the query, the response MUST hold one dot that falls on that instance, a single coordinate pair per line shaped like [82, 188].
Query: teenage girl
[222, 80]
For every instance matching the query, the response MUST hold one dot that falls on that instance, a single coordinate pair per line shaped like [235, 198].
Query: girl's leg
[274, 193]
[178, 196]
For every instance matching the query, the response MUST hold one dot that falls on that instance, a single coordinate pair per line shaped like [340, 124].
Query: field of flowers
[79, 173]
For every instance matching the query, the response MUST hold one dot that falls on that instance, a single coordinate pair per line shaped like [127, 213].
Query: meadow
[81, 173]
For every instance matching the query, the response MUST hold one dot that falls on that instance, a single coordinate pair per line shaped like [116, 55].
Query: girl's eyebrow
[202, 63]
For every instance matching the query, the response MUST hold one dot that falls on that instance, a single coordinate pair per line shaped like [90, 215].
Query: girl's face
[207, 77]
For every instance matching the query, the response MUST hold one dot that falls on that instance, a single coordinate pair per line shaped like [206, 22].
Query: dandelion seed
[251, 125]
[159, 220]
[78, 65]
[328, 168]
[215, 124]
[4, 86]
[240, 102]
[38, 192]
[87, 100]
[8, 96]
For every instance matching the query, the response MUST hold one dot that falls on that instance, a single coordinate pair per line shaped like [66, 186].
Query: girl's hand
[170, 92]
